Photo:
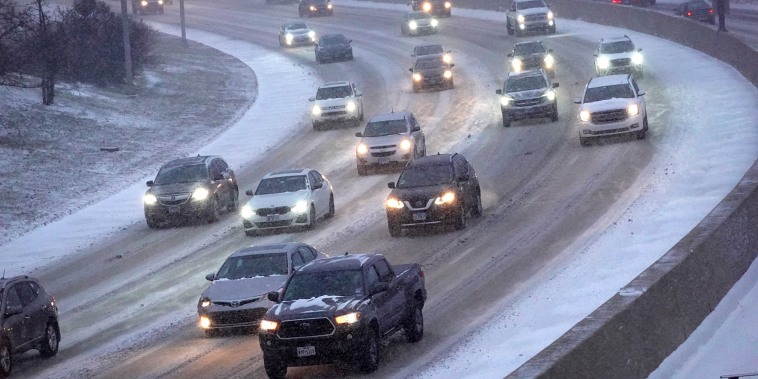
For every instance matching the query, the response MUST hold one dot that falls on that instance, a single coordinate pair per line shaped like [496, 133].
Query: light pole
[181, 18]
[127, 50]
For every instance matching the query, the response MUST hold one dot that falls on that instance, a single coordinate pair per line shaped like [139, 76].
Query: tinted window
[385, 273]
[332, 40]
[529, 48]
[371, 277]
[429, 63]
[461, 168]
[26, 293]
[307, 253]
[529, 4]
[297, 260]
[251, 266]
[429, 49]
[333, 92]
[617, 47]
[308, 285]
[182, 174]
[296, 26]
[14, 300]
[525, 83]
[425, 176]
[385, 128]
[619, 91]
[281, 184]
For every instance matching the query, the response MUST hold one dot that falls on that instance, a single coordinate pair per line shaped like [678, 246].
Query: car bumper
[385, 157]
[287, 220]
[337, 116]
[343, 345]
[434, 215]
[629, 125]
[422, 30]
[223, 317]
[433, 81]
[630, 69]
[534, 111]
[320, 12]
[300, 41]
[536, 26]
[334, 55]
[151, 8]
[160, 212]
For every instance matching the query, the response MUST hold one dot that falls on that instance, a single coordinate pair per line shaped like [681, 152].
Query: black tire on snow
[460, 220]
[312, 218]
[395, 230]
[6, 358]
[52, 338]
[414, 327]
[369, 359]
[213, 211]
[234, 201]
[331, 207]
[476, 211]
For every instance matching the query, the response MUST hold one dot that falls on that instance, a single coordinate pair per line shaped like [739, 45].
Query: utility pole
[127, 50]
[181, 17]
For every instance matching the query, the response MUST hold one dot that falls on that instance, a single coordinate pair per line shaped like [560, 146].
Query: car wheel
[6, 358]
[151, 223]
[477, 210]
[402, 30]
[369, 360]
[211, 333]
[460, 220]
[395, 230]
[555, 113]
[584, 141]
[213, 211]
[506, 120]
[331, 206]
[509, 29]
[49, 346]
[451, 85]
[362, 170]
[274, 369]
[414, 327]
[552, 30]
[360, 119]
[644, 124]
[415, 88]
[641, 135]
[234, 201]
[312, 218]
[316, 126]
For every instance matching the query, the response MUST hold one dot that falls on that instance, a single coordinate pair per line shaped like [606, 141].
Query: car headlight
[417, 77]
[412, 25]
[520, 18]
[204, 322]
[584, 116]
[549, 61]
[329, 6]
[550, 95]
[247, 212]
[300, 207]
[149, 199]
[405, 145]
[160, 2]
[427, 7]
[204, 302]
[350, 106]
[316, 111]
[637, 58]
[505, 100]
[434, 22]
[446, 198]
[448, 5]
[288, 37]
[313, 8]
[603, 63]
[632, 109]
[447, 58]
[516, 64]
[361, 149]
[448, 74]
[350, 318]
[269, 326]
[200, 194]
[394, 203]
[144, 3]
[549, 15]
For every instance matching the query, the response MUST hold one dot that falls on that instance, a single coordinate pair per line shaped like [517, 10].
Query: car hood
[607, 105]
[529, 11]
[530, 94]
[286, 199]
[241, 289]
[323, 306]
[429, 71]
[531, 58]
[393, 139]
[164, 189]
[618, 55]
[426, 192]
[422, 21]
[298, 32]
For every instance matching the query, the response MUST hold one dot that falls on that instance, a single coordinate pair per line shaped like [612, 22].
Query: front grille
[333, 107]
[535, 17]
[174, 199]
[606, 117]
[527, 102]
[272, 211]
[383, 154]
[313, 327]
[612, 131]
[621, 62]
[338, 113]
[384, 147]
[273, 224]
[433, 78]
[236, 303]
[236, 317]
[418, 203]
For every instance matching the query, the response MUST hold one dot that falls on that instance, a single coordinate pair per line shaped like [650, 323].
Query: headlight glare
[144, 3]
[448, 74]
[434, 22]
[584, 116]
[550, 94]
[603, 63]
[633, 109]
[417, 77]
[448, 5]
[446, 198]
[300, 207]
[447, 58]
[505, 100]
[549, 61]
[247, 212]
[549, 15]
[405, 145]
[150, 199]
[205, 302]
[204, 322]
[288, 37]
[427, 7]
[312, 34]
[350, 318]
[412, 25]
[200, 194]
[362, 149]
[269, 326]
[637, 58]
[316, 111]
[520, 18]
[516, 64]
[350, 106]
[394, 203]
[313, 8]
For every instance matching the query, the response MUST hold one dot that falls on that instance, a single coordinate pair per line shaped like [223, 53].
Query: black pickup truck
[341, 309]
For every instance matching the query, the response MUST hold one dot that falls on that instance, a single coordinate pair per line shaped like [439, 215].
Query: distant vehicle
[697, 10]
[189, 188]
[634, 2]
[296, 34]
[532, 55]
[389, 138]
[332, 47]
[288, 198]
[147, 6]
[618, 55]
[528, 94]
[417, 23]
[525, 16]
[236, 298]
[28, 321]
[432, 71]
[612, 105]
[434, 190]
[435, 7]
[433, 49]
[315, 8]
[342, 309]
[336, 102]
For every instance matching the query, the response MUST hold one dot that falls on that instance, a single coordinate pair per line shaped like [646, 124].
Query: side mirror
[594, 55]
[416, 128]
[249, 192]
[555, 85]
[379, 287]
[210, 277]
[452, 65]
[463, 178]
[317, 185]
[14, 310]
[358, 94]
[410, 69]
[391, 185]
[273, 296]
[149, 183]
[641, 93]
[359, 134]
[499, 91]
[510, 55]
[549, 50]
[577, 101]
[311, 99]
[639, 50]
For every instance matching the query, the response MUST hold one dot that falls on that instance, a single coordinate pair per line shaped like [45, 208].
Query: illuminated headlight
[447, 198]
[313, 8]
[160, 2]
[200, 194]
[329, 6]
[520, 18]
[427, 7]
[516, 64]
[312, 34]
[434, 22]
[350, 106]
[144, 3]
[405, 145]
[550, 95]
[549, 61]
[447, 58]
[362, 149]
[394, 203]
[205, 302]
[204, 322]
[269, 326]
[584, 116]
[316, 111]
[288, 37]
[632, 109]
[413, 25]
[150, 199]
[300, 207]
[247, 212]
[448, 5]
[637, 58]
[603, 63]
[350, 318]
[549, 15]
[448, 74]
[417, 77]
[505, 100]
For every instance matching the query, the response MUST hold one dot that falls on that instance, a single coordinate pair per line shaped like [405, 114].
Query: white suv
[529, 16]
[611, 105]
[335, 102]
[618, 55]
[288, 198]
[389, 138]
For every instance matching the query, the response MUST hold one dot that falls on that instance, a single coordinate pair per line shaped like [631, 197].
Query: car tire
[451, 85]
[509, 29]
[234, 201]
[460, 219]
[312, 218]
[402, 30]
[644, 124]
[213, 212]
[395, 230]
[506, 120]
[316, 126]
[251, 233]
[6, 358]
[369, 358]
[362, 170]
[274, 369]
[49, 344]
[151, 223]
[211, 333]
[476, 211]
[584, 141]
[416, 88]
[641, 135]
[554, 116]
[331, 212]
[414, 326]
[360, 119]
[552, 30]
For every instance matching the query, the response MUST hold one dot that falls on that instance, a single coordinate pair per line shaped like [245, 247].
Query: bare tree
[48, 50]
[14, 21]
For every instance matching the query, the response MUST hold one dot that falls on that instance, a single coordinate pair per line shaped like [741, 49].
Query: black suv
[532, 55]
[194, 187]
[528, 94]
[433, 190]
[432, 71]
[28, 320]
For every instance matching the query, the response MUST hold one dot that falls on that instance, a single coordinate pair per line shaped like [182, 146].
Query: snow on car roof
[292, 171]
[608, 80]
[615, 39]
[388, 116]
[263, 249]
[334, 84]
[342, 262]
[533, 72]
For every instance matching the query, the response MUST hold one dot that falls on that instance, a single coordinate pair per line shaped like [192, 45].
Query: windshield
[385, 128]
[425, 176]
[332, 40]
[251, 266]
[419, 16]
[525, 83]
[428, 63]
[617, 47]
[529, 4]
[296, 26]
[333, 92]
[618, 91]
[429, 50]
[308, 285]
[182, 174]
[281, 184]
[528, 48]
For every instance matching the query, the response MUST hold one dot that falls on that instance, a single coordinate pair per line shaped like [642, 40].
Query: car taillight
[616, 1]
[421, 273]
[710, 11]
[689, 13]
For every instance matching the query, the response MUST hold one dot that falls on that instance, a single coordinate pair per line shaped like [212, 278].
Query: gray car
[236, 297]
[388, 138]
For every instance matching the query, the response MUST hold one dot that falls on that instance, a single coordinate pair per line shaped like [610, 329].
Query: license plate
[384, 160]
[419, 216]
[272, 218]
[306, 351]
[173, 209]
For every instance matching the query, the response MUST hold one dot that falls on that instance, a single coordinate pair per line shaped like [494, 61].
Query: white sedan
[289, 198]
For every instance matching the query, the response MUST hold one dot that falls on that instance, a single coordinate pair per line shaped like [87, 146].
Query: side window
[460, 166]
[214, 171]
[13, 299]
[384, 271]
[636, 87]
[25, 293]
[371, 277]
[222, 166]
[308, 254]
[317, 176]
[35, 288]
[311, 179]
[297, 260]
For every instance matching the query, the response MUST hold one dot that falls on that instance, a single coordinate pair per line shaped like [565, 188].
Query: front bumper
[228, 317]
[630, 125]
[300, 41]
[426, 29]
[432, 214]
[333, 55]
[337, 115]
[189, 209]
[276, 221]
[535, 26]
[344, 345]
[544, 109]
[432, 81]
[379, 155]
